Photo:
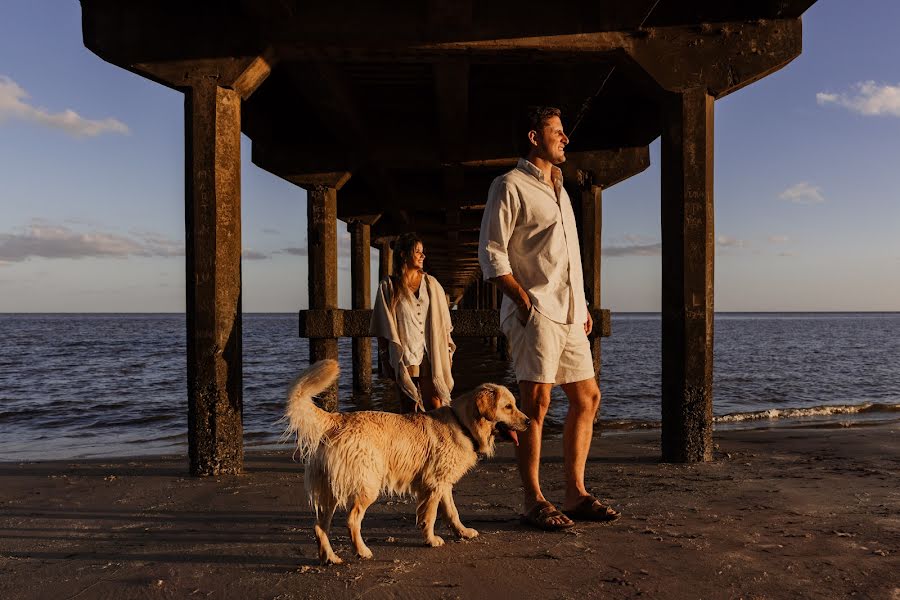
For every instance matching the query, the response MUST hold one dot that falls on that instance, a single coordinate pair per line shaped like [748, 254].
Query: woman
[412, 319]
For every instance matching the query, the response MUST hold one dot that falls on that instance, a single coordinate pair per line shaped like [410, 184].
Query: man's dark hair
[533, 118]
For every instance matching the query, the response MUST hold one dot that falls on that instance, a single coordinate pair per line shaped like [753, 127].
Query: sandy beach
[781, 513]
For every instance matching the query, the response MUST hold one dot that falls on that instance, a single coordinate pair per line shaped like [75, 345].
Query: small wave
[773, 414]
[799, 413]
[137, 420]
[628, 425]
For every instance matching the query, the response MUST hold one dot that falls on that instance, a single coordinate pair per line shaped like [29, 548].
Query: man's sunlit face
[551, 141]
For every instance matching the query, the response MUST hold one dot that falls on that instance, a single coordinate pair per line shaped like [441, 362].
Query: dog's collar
[475, 444]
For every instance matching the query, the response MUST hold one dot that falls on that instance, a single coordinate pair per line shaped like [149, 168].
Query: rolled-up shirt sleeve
[496, 228]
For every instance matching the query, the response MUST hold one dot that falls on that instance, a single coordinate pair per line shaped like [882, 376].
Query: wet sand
[781, 513]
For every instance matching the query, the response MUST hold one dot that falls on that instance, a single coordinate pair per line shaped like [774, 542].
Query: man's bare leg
[584, 402]
[535, 402]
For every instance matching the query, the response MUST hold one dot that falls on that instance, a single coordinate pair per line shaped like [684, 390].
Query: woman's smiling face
[417, 259]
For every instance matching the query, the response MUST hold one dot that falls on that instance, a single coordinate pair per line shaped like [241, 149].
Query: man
[529, 249]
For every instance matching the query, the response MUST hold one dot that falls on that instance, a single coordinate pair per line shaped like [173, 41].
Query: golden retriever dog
[352, 458]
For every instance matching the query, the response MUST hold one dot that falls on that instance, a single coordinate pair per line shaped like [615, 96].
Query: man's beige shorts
[545, 351]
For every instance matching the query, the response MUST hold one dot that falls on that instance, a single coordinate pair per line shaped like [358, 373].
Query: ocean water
[93, 385]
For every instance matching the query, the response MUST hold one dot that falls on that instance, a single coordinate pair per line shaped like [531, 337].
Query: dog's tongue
[514, 436]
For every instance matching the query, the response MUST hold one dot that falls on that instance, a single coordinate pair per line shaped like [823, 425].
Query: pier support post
[385, 259]
[361, 283]
[688, 249]
[213, 91]
[323, 271]
[213, 273]
[591, 204]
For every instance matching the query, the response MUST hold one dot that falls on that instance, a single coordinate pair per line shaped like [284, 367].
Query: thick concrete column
[323, 271]
[687, 276]
[591, 226]
[385, 260]
[213, 252]
[361, 282]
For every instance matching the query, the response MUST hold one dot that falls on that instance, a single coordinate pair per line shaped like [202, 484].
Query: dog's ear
[486, 402]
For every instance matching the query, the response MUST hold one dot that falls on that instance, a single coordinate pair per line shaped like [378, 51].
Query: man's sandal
[545, 516]
[591, 509]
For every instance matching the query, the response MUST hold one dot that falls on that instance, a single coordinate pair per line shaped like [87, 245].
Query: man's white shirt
[528, 230]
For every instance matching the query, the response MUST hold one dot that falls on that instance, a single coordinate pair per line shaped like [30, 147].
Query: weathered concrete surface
[785, 513]
[720, 57]
[385, 257]
[688, 253]
[604, 168]
[322, 244]
[360, 284]
[587, 202]
[213, 254]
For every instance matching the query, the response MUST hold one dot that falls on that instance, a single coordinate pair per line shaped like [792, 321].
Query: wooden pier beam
[687, 276]
[361, 282]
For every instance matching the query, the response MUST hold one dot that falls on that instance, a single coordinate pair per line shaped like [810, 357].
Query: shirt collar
[529, 167]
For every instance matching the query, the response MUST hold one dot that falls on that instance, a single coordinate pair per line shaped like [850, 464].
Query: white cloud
[158, 245]
[13, 105]
[654, 249]
[729, 242]
[250, 254]
[44, 240]
[866, 98]
[803, 193]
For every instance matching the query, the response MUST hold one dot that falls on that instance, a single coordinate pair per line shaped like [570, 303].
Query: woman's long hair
[401, 274]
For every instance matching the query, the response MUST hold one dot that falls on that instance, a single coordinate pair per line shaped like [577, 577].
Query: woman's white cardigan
[437, 336]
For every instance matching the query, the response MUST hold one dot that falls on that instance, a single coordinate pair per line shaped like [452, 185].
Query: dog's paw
[435, 541]
[467, 533]
[332, 559]
[364, 553]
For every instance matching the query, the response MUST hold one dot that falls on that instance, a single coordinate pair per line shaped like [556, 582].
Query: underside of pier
[395, 117]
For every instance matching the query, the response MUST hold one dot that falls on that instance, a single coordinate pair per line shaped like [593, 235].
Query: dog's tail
[303, 417]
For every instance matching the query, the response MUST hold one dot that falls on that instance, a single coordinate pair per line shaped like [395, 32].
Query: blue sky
[92, 200]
